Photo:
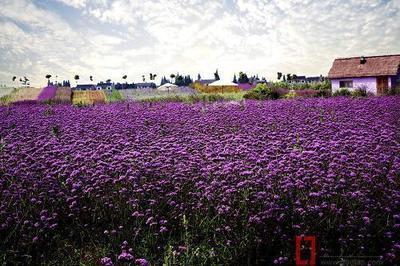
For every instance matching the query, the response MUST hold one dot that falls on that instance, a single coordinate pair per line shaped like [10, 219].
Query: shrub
[394, 91]
[359, 92]
[342, 92]
[324, 93]
[113, 96]
[290, 95]
[262, 92]
[309, 93]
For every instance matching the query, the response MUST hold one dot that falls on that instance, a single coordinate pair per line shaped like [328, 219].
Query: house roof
[167, 86]
[384, 65]
[206, 81]
[145, 84]
[314, 78]
[104, 84]
[222, 83]
[85, 86]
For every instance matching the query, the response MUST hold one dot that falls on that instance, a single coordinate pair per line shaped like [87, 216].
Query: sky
[108, 39]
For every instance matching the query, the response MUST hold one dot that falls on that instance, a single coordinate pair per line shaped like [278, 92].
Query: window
[346, 84]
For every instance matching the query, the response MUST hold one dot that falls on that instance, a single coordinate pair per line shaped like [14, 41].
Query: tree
[48, 76]
[124, 78]
[179, 80]
[108, 81]
[216, 75]
[14, 78]
[91, 78]
[198, 77]
[243, 78]
[284, 78]
[76, 79]
[288, 77]
[25, 81]
[234, 79]
[143, 78]
[187, 80]
[279, 75]
[172, 76]
[163, 80]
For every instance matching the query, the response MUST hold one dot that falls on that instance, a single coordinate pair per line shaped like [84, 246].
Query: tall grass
[88, 97]
[113, 96]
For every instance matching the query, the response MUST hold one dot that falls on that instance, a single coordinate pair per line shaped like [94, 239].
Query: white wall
[369, 83]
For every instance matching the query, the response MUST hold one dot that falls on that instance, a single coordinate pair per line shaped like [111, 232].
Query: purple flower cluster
[48, 93]
[227, 182]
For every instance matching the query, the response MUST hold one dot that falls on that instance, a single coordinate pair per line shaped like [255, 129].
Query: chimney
[362, 60]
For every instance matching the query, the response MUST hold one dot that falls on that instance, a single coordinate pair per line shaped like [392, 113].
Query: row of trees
[152, 77]
[243, 78]
[291, 77]
[287, 77]
[23, 80]
[178, 79]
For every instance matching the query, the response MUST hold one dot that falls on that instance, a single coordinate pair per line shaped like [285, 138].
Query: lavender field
[199, 184]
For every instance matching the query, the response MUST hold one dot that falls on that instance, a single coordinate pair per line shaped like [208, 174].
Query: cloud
[107, 39]
[74, 3]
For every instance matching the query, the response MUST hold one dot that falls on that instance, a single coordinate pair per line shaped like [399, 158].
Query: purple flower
[142, 262]
[106, 261]
[125, 257]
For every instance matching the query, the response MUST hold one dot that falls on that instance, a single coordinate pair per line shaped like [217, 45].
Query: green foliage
[359, 92]
[55, 130]
[325, 85]
[342, 92]
[114, 96]
[262, 92]
[243, 78]
[394, 91]
[324, 93]
[290, 95]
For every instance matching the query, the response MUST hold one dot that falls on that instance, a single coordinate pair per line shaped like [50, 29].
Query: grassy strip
[113, 96]
[203, 97]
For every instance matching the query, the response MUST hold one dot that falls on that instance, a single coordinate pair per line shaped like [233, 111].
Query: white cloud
[112, 38]
[74, 3]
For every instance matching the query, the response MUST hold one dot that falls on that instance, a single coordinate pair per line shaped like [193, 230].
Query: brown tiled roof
[385, 65]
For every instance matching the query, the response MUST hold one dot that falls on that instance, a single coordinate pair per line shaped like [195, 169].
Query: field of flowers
[199, 184]
[88, 97]
[48, 93]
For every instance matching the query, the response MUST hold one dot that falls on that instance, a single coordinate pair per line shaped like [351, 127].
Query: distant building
[145, 85]
[315, 79]
[205, 82]
[376, 74]
[105, 86]
[85, 87]
[298, 80]
[305, 80]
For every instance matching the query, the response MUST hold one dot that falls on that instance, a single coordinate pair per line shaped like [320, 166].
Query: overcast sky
[108, 39]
